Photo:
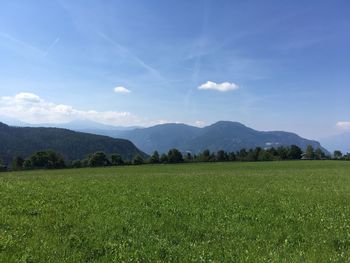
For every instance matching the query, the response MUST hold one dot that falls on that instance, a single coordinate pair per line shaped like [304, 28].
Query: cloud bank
[223, 87]
[29, 107]
[121, 89]
[343, 125]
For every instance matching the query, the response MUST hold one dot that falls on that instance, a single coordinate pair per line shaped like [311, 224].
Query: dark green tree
[294, 152]
[221, 156]
[265, 156]
[188, 157]
[164, 158]
[337, 154]
[205, 156]
[154, 158]
[319, 154]
[76, 164]
[98, 159]
[282, 153]
[3, 167]
[175, 156]
[17, 163]
[242, 154]
[231, 156]
[116, 159]
[27, 164]
[309, 153]
[251, 156]
[138, 160]
[44, 160]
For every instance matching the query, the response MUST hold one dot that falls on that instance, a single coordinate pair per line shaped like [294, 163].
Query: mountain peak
[229, 123]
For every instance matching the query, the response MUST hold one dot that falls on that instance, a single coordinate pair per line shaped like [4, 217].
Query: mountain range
[223, 135]
[89, 137]
[24, 141]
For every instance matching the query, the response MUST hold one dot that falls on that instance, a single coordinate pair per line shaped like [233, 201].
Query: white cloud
[223, 87]
[199, 123]
[343, 125]
[121, 89]
[30, 108]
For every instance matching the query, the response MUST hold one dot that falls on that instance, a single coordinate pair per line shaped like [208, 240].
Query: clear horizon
[270, 66]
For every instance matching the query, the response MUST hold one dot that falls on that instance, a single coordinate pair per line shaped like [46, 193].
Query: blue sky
[280, 65]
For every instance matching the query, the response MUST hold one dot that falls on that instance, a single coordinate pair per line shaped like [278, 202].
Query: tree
[337, 154]
[346, 156]
[116, 159]
[273, 152]
[154, 158]
[188, 157]
[221, 156]
[164, 158]
[27, 164]
[44, 160]
[265, 156]
[175, 156]
[294, 152]
[137, 160]
[319, 154]
[205, 156]
[76, 164]
[309, 153]
[251, 156]
[282, 153]
[3, 167]
[98, 159]
[17, 163]
[231, 156]
[242, 154]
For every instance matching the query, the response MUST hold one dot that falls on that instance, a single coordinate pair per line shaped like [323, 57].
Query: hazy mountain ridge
[225, 135]
[23, 141]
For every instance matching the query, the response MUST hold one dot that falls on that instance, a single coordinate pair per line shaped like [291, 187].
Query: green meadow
[206, 212]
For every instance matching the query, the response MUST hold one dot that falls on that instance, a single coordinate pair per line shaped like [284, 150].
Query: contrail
[135, 58]
[11, 38]
[54, 43]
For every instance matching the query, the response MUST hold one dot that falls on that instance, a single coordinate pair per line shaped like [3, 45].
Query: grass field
[213, 212]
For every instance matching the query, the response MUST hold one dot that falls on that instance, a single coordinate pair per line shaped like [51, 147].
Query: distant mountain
[12, 121]
[225, 135]
[23, 141]
[161, 137]
[90, 127]
[337, 142]
[76, 125]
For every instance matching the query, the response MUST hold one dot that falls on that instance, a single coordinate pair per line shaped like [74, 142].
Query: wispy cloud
[121, 89]
[223, 87]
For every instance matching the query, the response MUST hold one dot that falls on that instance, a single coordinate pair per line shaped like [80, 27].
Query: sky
[272, 65]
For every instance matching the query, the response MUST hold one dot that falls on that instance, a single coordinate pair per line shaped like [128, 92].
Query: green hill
[23, 141]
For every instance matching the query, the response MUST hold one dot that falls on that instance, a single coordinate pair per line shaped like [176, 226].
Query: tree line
[53, 160]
